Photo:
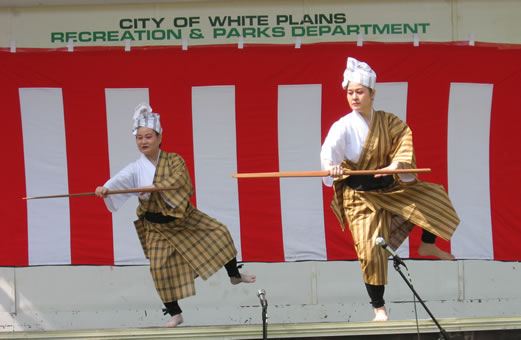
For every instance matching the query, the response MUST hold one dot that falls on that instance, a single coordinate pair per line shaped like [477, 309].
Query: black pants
[232, 269]
[376, 293]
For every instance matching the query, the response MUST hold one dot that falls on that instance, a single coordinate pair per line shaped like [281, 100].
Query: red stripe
[13, 228]
[427, 108]
[85, 125]
[505, 159]
[259, 200]
[257, 151]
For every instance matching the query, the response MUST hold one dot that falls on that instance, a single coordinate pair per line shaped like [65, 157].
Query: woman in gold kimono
[180, 241]
[381, 205]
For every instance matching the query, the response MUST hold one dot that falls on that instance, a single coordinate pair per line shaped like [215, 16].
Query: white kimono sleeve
[123, 180]
[344, 140]
[332, 150]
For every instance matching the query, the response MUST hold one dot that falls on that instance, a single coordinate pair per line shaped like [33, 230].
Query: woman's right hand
[101, 191]
[335, 170]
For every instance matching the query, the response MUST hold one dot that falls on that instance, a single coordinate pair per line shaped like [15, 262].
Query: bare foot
[175, 321]
[430, 249]
[380, 314]
[244, 278]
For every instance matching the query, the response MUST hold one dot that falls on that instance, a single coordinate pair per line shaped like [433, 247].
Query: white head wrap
[359, 72]
[144, 117]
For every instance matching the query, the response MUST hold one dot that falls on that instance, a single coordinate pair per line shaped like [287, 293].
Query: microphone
[261, 294]
[381, 242]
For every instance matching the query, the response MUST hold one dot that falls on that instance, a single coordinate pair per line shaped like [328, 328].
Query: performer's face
[359, 97]
[147, 140]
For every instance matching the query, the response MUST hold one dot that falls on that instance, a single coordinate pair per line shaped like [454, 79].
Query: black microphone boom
[381, 242]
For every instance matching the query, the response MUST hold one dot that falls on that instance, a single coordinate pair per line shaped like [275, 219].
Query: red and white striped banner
[67, 120]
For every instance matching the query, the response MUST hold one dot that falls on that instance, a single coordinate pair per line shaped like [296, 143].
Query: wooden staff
[113, 192]
[324, 173]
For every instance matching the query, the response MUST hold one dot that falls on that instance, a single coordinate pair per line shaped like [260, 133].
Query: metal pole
[443, 333]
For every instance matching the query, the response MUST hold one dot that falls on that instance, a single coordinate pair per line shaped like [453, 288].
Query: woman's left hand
[392, 166]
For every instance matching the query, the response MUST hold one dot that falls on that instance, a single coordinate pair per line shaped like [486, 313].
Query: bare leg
[175, 321]
[430, 249]
[243, 279]
[380, 314]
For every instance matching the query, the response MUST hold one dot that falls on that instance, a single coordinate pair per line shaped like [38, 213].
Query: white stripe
[215, 156]
[45, 157]
[392, 97]
[468, 168]
[122, 151]
[299, 121]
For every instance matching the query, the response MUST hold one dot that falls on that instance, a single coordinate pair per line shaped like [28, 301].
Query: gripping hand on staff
[101, 191]
[392, 166]
[334, 170]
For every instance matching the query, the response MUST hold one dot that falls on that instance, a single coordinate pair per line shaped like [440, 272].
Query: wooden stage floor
[477, 328]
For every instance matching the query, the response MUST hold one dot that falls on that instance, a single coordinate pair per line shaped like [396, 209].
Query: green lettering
[263, 20]
[123, 24]
[158, 35]
[282, 19]
[262, 32]
[298, 31]
[233, 33]
[324, 30]
[180, 22]
[57, 37]
[218, 32]
[312, 31]
[424, 27]
[383, 30]
[248, 32]
[82, 37]
[306, 20]
[171, 33]
[407, 27]
[127, 35]
[70, 36]
[366, 28]
[112, 36]
[396, 29]
[278, 32]
[140, 34]
[353, 29]
[99, 35]
[338, 30]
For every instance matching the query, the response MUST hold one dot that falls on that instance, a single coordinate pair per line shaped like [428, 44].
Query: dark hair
[158, 134]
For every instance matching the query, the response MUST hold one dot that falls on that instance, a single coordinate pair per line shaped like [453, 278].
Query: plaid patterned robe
[390, 213]
[192, 245]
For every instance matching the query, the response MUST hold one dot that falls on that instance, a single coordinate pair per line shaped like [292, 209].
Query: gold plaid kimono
[192, 245]
[392, 212]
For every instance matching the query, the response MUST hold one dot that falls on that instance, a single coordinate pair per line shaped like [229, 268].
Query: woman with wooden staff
[381, 205]
[180, 241]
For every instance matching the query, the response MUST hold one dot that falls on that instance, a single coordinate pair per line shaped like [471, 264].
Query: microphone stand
[265, 320]
[396, 264]
[264, 304]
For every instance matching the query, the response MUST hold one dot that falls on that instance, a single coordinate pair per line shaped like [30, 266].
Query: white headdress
[143, 116]
[359, 72]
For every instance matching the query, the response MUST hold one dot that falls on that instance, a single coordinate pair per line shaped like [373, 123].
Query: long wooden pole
[113, 192]
[323, 173]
